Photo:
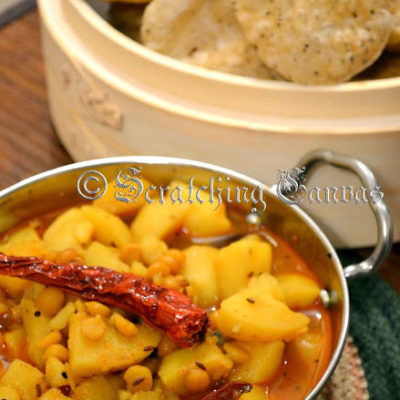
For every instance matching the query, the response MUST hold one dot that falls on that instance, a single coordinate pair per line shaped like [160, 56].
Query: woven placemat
[348, 381]
[375, 327]
[370, 365]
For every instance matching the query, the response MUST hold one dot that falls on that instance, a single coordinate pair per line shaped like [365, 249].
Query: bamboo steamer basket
[111, 96]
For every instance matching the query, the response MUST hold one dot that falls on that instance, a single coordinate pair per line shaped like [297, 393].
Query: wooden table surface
[28, 142]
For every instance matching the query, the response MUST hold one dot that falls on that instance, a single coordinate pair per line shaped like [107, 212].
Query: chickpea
[95, 308]
[93, 328]
[166, 346]
[177, 254]
[137, 268]
[237, 354]
[174, 259]
[158, 279]
[152, 249]
[56, 372]
[58, 351]
[124, 326]
[138, 379]
[197, 379]
[52, 338]
[171, 282]
[130, 252]
[158, 267]
[213, 318]
[50, 301]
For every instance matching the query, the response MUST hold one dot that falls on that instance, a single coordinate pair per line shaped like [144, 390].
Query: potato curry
[119, 302]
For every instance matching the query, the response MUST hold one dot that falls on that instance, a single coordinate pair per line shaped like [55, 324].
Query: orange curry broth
[296, 377]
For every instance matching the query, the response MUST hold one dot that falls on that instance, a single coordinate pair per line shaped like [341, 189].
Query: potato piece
[112, 352]
[54, 394]
[9, 394]
[257, 393]
[175, 365]
[300, 291]
[116, 381]
[15, 342]
[34, 291]
[98, 254]
[239, 318]
[58, 351]
[263, 364]
[61, 320]
[207, 219]
[159, 219]
[108, 229]
[124, 395]
[96, 388]
[27, 380]
[120, 208]
[152, 248]
[62, 232]
[21, 235]
[166, 394]
[14, 287]
[236, 353]
[24, 242]
[199, 270]
[56, 373]
[240, 260]
[84, 232]
[37, 326]
[50, 301]
[152, 395]
[306, 347]
[269, 284]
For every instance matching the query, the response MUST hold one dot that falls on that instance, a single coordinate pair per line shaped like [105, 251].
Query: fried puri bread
[394, 39]
[201, 32]
[316, 41]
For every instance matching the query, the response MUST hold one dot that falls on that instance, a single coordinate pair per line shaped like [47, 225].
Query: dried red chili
[162, 308]
[229, 391]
